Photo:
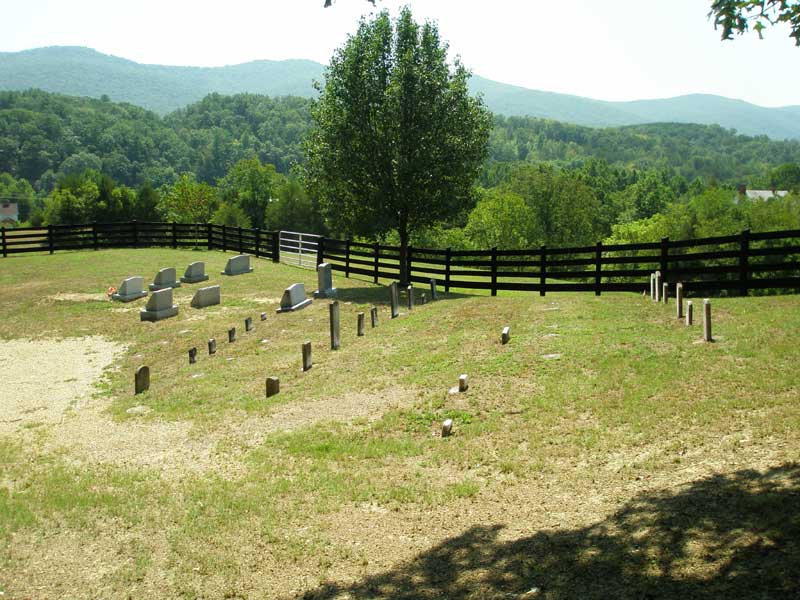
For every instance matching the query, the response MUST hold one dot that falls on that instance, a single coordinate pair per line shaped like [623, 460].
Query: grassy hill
[602, 453]
[84, 72]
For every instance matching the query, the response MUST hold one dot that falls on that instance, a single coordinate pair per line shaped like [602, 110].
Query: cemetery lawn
[604, 452]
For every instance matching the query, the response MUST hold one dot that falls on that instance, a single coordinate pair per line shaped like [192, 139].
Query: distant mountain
[77, 71]
[84, 72]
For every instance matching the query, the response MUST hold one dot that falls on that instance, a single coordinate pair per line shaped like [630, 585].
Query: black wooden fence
[135, 234]
[733, 264]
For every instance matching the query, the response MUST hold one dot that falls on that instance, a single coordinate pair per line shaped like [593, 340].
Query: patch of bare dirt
[69, 297]
[42, 379]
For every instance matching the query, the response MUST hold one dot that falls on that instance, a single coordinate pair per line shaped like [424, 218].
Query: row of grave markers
[659, 292]
[160, 304]
[294, 299]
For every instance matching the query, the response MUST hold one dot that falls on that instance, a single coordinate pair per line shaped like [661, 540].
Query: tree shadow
[726, 536]
[379, 296]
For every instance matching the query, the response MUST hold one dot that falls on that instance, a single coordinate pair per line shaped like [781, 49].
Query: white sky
[609, 49]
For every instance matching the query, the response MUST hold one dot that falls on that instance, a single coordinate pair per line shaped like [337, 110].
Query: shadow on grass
[379, 296]
[727, 536]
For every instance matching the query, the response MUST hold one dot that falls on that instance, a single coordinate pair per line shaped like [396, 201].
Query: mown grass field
[604, 452]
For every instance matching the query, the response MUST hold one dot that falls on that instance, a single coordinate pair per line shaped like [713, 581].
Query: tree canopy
[399, 141]
[738, 16]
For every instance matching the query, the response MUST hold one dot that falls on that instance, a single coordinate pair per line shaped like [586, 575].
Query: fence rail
[733, 264]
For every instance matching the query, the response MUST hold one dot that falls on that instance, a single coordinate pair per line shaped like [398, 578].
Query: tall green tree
[398, 140]
[250, 186]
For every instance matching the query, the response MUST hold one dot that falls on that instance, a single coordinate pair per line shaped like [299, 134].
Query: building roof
[9, 209]
[765, 194]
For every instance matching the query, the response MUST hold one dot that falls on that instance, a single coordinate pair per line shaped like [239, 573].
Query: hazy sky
[609, 49]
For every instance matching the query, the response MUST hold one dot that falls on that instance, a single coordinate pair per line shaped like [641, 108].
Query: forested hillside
[46, 136]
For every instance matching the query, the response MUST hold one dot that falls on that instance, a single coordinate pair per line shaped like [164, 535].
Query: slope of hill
[77, 71]
[80, 71]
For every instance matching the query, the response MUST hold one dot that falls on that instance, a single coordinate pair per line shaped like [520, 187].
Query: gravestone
[206, 296]
[689, 311]
[423, 299]
[434, 294]
[679, 300]
[238, 265]
[248, 324]
[165, 278]
[505, 336]
[195, 273]
[665, 292]
[231, 335]
[652, 286]
[658, 286]
[360, 324]
[263, 316]
[333, 309]
[130, 289]
[410, 297]
[373, 315]
[159, 306]
[212, 346]
[141, 380]
[462, 385]
[394, 297]
[447, 427]
[294, 298]
[307, 363]
[707, 321]
[273, 386]
[325, 287]
[192, 355]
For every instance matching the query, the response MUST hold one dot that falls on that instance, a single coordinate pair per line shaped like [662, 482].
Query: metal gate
[299, 249]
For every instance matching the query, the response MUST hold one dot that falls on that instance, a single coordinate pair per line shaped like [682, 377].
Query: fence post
[50, 238]
[409, 253]
[598, 268]
[276, 246]
[447, 270]
[664, 255]
[377, 250]
[744, 262]
[494, 271]
[347, 258]
[135, 234]
[321, 250]
[543, 272]
[174, 235]
[5, 247]
[94, 236]
[241, 248]
[224, 238]
[258, 240]
[209, 236]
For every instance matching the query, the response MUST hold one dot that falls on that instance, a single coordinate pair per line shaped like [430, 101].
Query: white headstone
[130, 289]
[325, 287]
[238, 265]
[159, 306]
[294, 298]
[206, 296]
[195, 273]
[165, 278]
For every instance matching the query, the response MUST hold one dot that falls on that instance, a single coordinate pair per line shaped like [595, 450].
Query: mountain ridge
[81, 71]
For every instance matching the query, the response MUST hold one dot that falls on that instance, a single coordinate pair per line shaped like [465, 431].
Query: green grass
[632, 411]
